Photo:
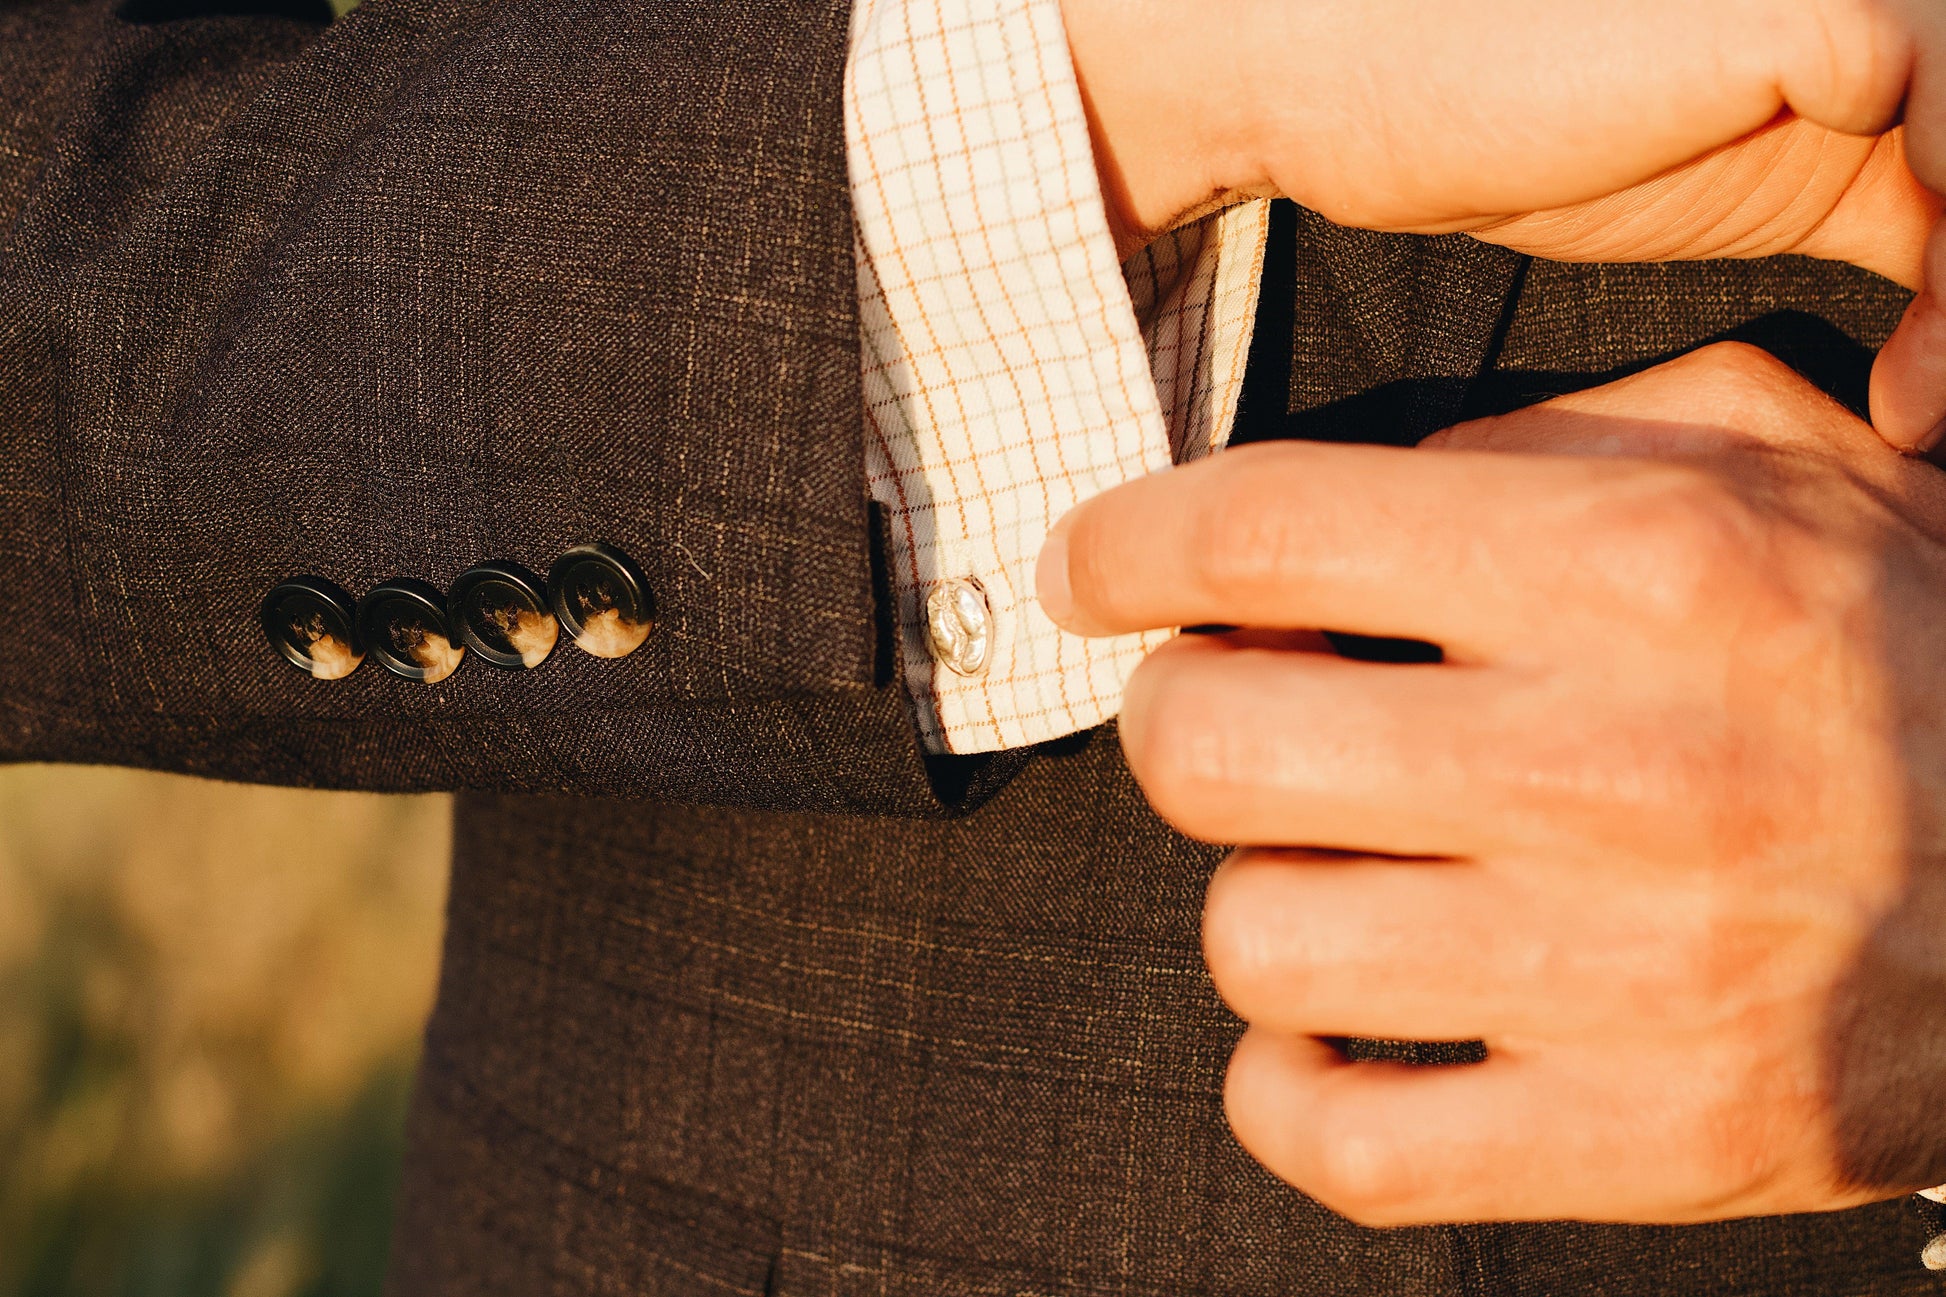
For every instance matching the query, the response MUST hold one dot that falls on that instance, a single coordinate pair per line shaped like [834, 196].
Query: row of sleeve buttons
[498, 610]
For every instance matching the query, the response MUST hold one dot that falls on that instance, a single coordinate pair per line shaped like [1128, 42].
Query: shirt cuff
[1007, 375]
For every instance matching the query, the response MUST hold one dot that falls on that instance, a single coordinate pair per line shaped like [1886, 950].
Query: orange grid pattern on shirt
[1011, 368]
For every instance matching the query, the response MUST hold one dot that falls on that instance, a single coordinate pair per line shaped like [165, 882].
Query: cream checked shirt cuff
[1011, 367]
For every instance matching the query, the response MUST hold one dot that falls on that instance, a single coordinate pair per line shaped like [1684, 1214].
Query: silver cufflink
[959, 627]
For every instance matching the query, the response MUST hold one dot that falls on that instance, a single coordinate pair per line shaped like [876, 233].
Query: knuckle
[1675, 539]
[1680, 781]
[1168, 739]
[1847, 62]
[1733, 946]
[1744, 366]
[1754, 389]
[1745, 388]
[1136, 722]
[1689, 550]
[1702, 956]
[1366, 1176]
[1820, 586]
[1228, 946]
[1236, 947]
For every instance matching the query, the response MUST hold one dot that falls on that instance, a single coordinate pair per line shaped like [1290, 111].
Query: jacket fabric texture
[742, 993]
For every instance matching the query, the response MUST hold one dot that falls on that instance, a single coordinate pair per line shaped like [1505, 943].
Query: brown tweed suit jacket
[742, 994]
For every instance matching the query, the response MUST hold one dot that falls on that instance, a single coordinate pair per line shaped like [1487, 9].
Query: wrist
[1170, 112]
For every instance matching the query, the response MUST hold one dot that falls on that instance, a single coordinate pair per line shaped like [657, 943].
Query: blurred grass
[210, 1003]
[210, 1000]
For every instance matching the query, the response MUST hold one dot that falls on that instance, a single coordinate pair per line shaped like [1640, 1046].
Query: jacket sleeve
[443, 282]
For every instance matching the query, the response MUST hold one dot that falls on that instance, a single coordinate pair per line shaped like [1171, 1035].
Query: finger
[1392, 1144]
[1639, 1134]
[1460, 550]
[1325, 945]
[1908, 396]
[1925, 100]
[1236, 744]
[1880, 222]
[1909, 377]
[1843, 64]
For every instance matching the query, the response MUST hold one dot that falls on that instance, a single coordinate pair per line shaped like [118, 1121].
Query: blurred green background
[210, 1003]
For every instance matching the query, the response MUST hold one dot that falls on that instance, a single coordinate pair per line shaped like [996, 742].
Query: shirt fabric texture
[1011, 367]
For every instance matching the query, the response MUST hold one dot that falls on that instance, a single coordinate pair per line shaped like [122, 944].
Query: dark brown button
[312, 623]
[501, 611]
[602, 599]
[403, 624]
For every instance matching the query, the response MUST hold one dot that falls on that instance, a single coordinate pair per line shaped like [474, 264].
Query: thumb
[1909, 378]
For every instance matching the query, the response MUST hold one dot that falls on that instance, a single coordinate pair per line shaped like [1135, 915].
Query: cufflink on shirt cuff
[959, 627]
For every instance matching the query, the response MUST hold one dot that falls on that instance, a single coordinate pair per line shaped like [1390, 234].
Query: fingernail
[1051, 575]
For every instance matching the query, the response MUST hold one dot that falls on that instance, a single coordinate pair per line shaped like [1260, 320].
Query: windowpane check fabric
[1012, 368]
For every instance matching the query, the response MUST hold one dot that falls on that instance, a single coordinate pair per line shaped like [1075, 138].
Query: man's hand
[1512, 117]
[1667, 827]
[1653, 130]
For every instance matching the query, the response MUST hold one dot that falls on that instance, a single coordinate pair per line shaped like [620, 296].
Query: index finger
[1465, 549]
[1925, 92]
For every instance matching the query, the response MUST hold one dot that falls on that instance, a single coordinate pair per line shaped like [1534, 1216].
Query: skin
[1653, 130]
[1666, 828]
[1663, 828]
